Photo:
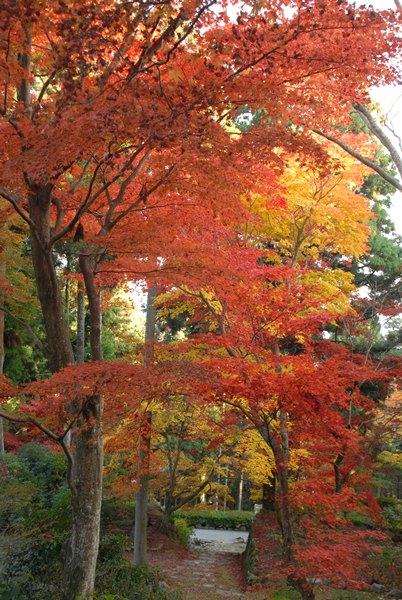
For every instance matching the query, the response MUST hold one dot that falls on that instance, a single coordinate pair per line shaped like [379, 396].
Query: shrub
[183, 531]
[234, 519]
[33, 483]
[117, 578]
[392, 512]
[32, 571]
[112, 547]
[385, 568]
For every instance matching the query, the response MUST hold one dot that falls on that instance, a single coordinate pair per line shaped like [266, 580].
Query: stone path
[207, 572]
[208, 575]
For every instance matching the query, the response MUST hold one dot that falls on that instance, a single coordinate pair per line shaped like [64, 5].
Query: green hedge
[234, 519]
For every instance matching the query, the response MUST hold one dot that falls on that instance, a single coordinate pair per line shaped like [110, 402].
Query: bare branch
[89, 200]
[380, 135]
[14, 200]
[142, 198]
[159, 43]
[42, 93]
[363, 159]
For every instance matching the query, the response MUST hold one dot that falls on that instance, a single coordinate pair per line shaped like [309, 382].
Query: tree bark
[2, 352]
[240, 497]
[59, 349]
[80, 562]
[141, 506]
[141, 499]
[82, 549]
[268, 494]
[80, 347]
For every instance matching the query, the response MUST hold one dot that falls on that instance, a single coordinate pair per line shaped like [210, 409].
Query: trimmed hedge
[234, 519]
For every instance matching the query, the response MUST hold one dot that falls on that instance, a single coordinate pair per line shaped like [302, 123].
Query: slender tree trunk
[2, 352]
[141, 499]
[241, 483]
[80, 348]
[141, 506]
[79, 353]
[283, 503]
[167, 525]
[2, 447]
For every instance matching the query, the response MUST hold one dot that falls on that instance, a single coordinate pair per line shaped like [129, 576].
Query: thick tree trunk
[141, 517]
[59, 349]
[82, 549]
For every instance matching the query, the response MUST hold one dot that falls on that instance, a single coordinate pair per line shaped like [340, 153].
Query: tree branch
[363, 159]
[13, 200]
[379, 134]
[56, 438]
[88, 200]
[194, 494]
[41, 94]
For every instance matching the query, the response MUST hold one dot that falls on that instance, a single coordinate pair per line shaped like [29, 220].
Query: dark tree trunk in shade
[268, 494]
[2, 351]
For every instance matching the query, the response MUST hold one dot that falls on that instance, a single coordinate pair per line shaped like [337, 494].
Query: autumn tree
[113, 114]
[283, 377]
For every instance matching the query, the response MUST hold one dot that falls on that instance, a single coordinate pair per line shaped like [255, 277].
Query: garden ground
[205, 574]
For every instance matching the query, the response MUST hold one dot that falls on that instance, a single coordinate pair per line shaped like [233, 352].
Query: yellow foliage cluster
[323, 213]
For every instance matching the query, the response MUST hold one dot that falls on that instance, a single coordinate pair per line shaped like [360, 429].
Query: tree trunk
[59, 349]
[80, 347]
[141, 517]
[167, 524]
[268, 494]
[285, 512]
[82, 548]
[241, 483]
[141, 499]
[2, 353]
